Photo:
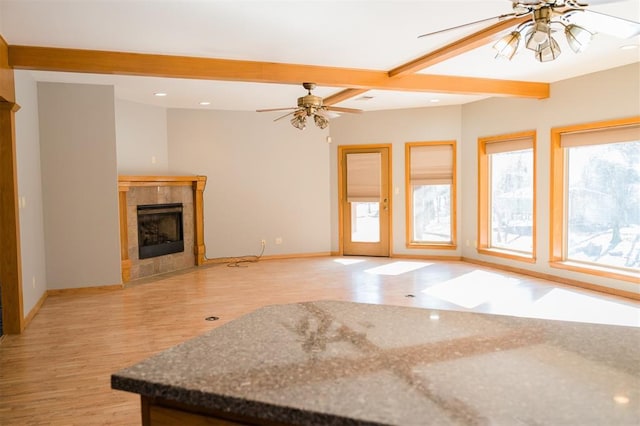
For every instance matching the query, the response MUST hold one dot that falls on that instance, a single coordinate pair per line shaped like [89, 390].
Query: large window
[430, 182]
[506, 195]
[595, 205]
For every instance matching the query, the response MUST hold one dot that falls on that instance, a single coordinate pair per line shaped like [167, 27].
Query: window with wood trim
[430, 176]
[595, 198]
[506, 196]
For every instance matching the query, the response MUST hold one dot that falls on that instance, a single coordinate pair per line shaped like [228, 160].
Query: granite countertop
[349, 363]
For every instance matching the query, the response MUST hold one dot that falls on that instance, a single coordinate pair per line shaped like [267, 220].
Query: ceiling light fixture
[577, 37]
[159, 94]
[508, 45]
[310, 106]
[538, 37]
[299, 120]
[205, 103]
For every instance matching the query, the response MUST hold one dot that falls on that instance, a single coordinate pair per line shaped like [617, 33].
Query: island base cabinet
[156, 413]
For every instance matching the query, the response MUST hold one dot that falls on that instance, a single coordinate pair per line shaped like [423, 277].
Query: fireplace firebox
[159, 230]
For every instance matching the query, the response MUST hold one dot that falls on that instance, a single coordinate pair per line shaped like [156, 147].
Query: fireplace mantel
[126, 182]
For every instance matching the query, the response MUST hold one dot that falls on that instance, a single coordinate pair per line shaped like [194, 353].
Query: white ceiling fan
[572, 17]
[310, 106]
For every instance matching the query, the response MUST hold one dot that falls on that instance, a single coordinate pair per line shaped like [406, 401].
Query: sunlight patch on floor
[348, 261]
[472, 289]
[397, 268]
[567, 305]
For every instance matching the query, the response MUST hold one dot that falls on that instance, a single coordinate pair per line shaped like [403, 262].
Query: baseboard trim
[32, 313]
[217, 260]
[427, 257]
[296, 256]
[85, 290]
[562, 280]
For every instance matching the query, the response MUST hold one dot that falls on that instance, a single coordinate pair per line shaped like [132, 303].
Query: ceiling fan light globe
[320, 121]
[299, 122]
[548, 51]
[541, 32]
[530, 42]
[507, 45]
[578, 38]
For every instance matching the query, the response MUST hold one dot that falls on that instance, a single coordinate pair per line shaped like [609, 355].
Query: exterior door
[365, 204]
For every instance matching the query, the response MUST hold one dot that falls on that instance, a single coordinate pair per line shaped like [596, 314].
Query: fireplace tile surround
[140, 190]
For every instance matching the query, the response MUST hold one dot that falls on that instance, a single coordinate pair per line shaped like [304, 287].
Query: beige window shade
[509, 145]
[431, 164]
[600, 136]
[363, 177]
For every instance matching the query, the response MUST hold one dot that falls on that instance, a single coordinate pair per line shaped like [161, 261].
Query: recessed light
[205, 103]
[364, 98]
[159, 94]
[621, 399]
[434, 101]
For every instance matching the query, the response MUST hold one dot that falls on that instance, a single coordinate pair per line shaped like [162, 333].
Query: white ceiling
[368, 34]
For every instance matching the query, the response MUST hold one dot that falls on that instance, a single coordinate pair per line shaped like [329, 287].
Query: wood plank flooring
[58, 371]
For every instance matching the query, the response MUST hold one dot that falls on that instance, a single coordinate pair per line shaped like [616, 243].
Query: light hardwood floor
[58, 371]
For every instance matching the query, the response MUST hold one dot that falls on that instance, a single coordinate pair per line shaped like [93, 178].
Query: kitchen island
[342, 363]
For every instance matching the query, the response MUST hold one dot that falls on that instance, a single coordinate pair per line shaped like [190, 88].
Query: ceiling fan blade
[602, 23]
[286, 115]
[340, 109]
[275, 109]
[468, 24]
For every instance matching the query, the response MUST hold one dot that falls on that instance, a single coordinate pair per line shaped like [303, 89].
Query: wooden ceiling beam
[343, 95]
[151, 65]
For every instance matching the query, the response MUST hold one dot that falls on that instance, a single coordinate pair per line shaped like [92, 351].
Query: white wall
[32, 244]
[595, 97]
[141, 139]
[264, 180]
[79, 184]
[396, 127]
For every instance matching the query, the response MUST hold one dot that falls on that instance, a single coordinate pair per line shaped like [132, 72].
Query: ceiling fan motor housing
[310, 103]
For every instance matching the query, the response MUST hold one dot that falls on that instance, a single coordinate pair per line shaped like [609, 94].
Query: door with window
[365, 204]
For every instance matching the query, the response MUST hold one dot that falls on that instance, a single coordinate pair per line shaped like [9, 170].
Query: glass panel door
[365, 200]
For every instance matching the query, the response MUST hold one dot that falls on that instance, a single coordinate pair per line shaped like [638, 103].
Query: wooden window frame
[557, 205]
[452, 245]
[484, 233]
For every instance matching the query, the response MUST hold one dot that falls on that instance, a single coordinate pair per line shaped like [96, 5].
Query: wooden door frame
[342, 195]
[11, 262]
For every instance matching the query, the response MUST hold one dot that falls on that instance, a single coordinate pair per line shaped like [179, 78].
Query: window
[506, 196]
[595, 198]
[364, 186]
[431, 194]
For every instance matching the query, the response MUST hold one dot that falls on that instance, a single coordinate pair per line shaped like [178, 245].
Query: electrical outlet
[263, 242]
[33, 282]
[279, 240]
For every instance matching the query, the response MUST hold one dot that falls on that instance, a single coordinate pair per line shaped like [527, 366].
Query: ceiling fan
[548, 16]
[310, 106]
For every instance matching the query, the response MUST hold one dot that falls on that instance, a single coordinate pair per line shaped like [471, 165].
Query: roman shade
[431, 164]
[509, 145]
[600, 136]
[363, 177]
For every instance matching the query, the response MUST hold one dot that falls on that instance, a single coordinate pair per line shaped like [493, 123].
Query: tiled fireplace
[161, 227]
